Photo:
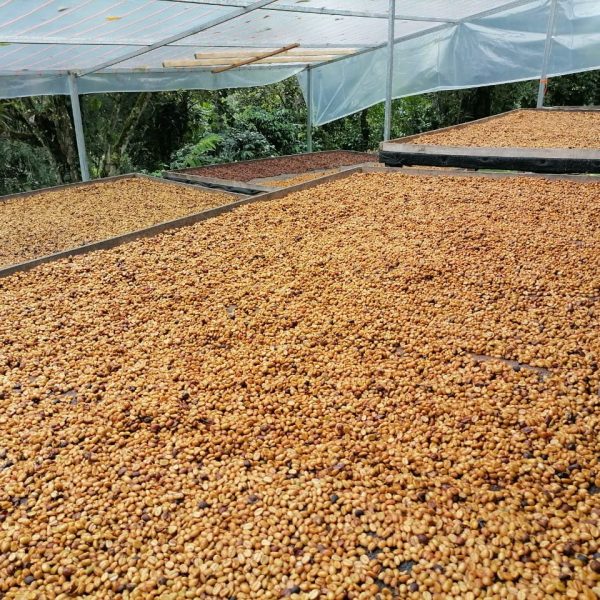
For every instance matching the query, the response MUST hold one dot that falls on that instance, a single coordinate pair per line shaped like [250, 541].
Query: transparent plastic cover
[438, 45]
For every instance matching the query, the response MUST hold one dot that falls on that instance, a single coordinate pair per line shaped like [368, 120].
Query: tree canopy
[149, 132]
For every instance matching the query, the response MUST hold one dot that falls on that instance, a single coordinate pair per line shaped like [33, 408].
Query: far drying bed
[266, 173]
[39, 224]
[546, 140]
[523, 128]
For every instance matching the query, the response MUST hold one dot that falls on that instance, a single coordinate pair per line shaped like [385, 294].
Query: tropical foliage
[150, 132]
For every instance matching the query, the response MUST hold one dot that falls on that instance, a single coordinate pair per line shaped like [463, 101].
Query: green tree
[43, 122]
[580, 89]
[24, 167]
[112, 121]
[151, 131]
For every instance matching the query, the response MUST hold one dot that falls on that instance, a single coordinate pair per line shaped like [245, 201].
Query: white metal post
[77, 121]
[387, 127]
[547, 50]
[309, 106]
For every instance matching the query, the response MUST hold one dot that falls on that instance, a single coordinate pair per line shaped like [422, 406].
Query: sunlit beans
[49, 222]
[524, 128]
[294, 400]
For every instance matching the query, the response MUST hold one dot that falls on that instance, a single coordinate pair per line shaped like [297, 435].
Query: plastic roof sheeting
[439, 45]
[502, 47]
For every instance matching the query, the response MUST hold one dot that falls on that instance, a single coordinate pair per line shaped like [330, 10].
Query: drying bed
[387, 384]
[525, 129]
[233, 202]
[272, 167]
[262, 185]
[284, 181]
[42, 223]
[546, 140]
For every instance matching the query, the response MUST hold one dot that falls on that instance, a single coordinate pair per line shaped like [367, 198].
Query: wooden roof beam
[255, 58]
[231, 63]
[301, 51]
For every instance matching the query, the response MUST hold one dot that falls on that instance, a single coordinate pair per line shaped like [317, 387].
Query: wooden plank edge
[65, 186]
[590, 108]
[124, 238]
[281, 192]
[270, 158]
[454, 127]
[514, 163]
[458, 172]
[216, 182]
[82, 184]
[492, 152]
[284, 177]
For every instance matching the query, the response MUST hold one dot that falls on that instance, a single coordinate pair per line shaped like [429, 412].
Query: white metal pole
[309, 106]
[79, 136]
[387, 127]
[547, 50]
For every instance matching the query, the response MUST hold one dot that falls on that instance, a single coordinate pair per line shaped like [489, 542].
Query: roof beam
[480, 15]
[74, 41]
[356, 13]
[258, 57]
[327, 11]
[231, 63]
[138, 71]
[302, 51]
[180, 36]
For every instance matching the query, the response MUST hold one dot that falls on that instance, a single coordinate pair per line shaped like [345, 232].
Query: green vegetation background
[149, 132]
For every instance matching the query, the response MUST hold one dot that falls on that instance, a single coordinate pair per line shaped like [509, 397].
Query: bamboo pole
[241, 54]
[213, 62]
[254, 59]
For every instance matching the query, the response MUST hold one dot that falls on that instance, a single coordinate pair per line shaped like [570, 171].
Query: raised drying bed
[44, 222]
[545, 141]
[298, 183]
[261, 175]
[301, 398]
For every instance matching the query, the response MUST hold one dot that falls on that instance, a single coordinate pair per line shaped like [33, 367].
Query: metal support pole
[387, 127]
[79, 137]
[547, 50]
[309, 121]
